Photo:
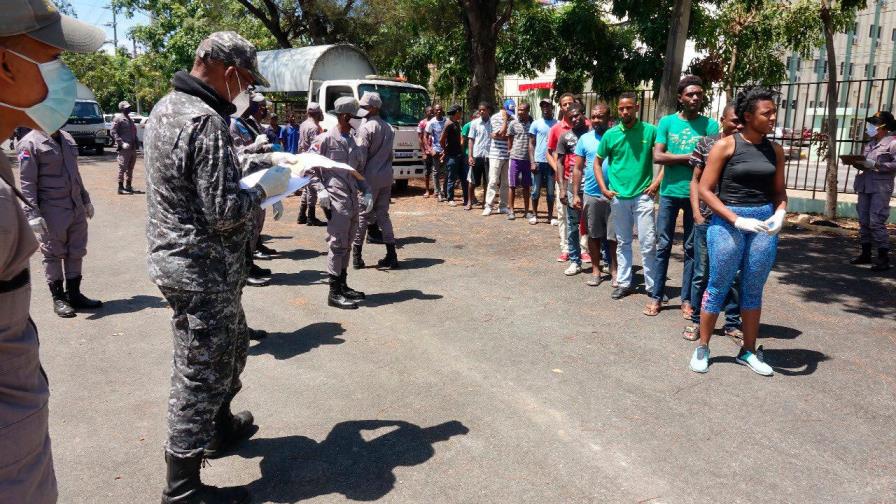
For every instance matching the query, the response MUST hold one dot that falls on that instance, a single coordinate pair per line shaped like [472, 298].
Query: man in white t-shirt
[480, 137]
[434, 129]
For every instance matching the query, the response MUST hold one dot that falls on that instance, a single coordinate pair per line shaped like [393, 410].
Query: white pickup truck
[86, 124]
[325, 73]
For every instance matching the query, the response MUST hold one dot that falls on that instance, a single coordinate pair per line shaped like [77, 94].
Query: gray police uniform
[308, 131]
[26, 461]
[52, 184]
[124, 131]
[375, 138]
[342, 223]
[874, 189]
[199, 223]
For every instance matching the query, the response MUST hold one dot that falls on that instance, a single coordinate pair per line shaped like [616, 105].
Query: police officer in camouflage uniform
[60, 207]
[375, 138]
[338, 192]
[124, 133]
[199, 224]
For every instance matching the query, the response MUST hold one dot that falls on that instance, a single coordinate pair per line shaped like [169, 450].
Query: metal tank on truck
[326, 73]
[86, 123]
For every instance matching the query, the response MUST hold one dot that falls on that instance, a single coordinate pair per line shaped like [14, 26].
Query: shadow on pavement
[387, 298]
[304, 277]
[817, 266]
[785, 361]
[131, 305]
[295, 468]
[778, 332]
[413, 240]
[284, 346]
[419, 262]
[300, 254]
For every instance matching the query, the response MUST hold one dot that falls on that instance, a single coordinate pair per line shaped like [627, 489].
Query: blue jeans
[457, 173]
[626, 214]
[701, 278]
[572, 231]
[543, 177]
[665, 230]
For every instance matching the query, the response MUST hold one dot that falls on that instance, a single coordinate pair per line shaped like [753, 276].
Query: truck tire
[98, 150]
[401, 184]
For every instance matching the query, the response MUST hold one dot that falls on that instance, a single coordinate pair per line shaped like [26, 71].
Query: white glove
[867, 163]
[751, 225]
[323, 197]
[39, 226]
[278, 210]
[125, 146]
[275, 181]
[90, 210]
[367, 201]
[775, 222]
[284, 158]
[261, 140]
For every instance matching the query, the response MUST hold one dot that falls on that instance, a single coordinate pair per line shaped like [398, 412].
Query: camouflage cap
[230, 48]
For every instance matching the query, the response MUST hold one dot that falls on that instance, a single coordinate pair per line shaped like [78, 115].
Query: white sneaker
[532, 219]
[555, 222]
[511, 216]
[700, 359]
[503, 210]
[573, 269]
[754, 362]
[487, 211]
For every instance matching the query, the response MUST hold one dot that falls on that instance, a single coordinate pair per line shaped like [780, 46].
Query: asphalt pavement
[479, 373]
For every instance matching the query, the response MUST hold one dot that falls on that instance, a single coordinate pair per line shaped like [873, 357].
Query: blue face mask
[53, 112]
[871, 130]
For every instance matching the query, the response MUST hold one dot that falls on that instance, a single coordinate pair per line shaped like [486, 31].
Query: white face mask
[242, 100]
[53, 112]
[871, 130]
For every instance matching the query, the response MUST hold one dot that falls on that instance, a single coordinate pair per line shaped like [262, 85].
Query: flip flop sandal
[594, 281]
[735, 334]
[687, 311]
[691, 332]
[652, 310]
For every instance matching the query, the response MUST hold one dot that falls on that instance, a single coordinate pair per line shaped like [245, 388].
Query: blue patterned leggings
[730, 250]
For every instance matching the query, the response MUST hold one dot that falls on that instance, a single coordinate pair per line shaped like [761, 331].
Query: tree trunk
[481, 24]
[678, 36]
[830, 205]
[729, 87]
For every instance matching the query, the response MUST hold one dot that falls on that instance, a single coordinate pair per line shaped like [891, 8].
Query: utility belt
[17, 282]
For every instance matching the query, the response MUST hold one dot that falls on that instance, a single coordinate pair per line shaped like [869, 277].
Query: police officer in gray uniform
[199, 223]
[60, 207]
[124, 133]
[375, 138]
[874, 187]
[308, 131]
[38, 91]
[338, 192]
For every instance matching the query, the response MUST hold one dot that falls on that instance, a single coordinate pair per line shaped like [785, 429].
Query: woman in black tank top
[748, 211]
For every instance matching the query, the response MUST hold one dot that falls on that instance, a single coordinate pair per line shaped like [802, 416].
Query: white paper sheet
[295, 183]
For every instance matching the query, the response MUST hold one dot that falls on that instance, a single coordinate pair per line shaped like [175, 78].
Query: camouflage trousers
[211, 342]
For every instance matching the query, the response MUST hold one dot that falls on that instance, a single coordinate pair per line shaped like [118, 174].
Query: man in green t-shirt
[628, 148]
[677, 135]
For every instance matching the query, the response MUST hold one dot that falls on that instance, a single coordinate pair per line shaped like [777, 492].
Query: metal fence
[802, 115]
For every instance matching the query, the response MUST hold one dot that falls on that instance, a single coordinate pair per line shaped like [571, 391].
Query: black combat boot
[257, 271]
[883, 260]
[128, 189]
[336, 298]
[77, 300]
[257, 334]
[864, 257]
[230, 431]
[60, 301]
[303, 214]
[374, 234]
[184, 486]
[347, 291]
[391, 259]
[312, 218]
[121, 188]
[357, 260]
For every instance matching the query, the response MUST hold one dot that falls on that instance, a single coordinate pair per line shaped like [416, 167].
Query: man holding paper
[199, 224]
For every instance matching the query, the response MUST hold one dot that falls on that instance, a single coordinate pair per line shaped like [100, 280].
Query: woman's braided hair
[748, 98]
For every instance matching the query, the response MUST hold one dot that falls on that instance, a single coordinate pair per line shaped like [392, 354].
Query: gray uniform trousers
[127, 158]
[874, 210]
[379, 215]
[211, 343]
[342, 227]
[65, 244]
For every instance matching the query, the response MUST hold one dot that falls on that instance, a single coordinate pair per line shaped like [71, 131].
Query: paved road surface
[480, 374]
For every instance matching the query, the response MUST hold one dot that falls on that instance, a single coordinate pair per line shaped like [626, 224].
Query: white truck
[325, 73]
[86, 123]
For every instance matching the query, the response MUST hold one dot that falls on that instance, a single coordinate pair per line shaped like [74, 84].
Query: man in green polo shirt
[677, 135]
[628, 147]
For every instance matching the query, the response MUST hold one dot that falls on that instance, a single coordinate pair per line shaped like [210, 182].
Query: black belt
[16, 282]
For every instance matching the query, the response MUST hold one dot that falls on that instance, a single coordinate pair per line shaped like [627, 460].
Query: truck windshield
[402, 106]
[85, 110]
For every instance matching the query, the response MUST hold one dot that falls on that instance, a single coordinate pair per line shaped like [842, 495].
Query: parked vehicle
[86, 123]
[325, 73]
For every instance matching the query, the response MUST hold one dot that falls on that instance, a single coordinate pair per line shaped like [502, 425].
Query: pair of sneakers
[753, 360]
